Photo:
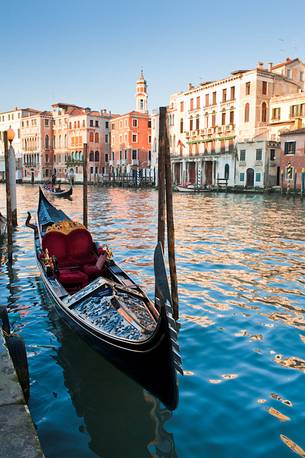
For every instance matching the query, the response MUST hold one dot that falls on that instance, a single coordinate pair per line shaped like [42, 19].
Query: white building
[12, 119]
[207, 123]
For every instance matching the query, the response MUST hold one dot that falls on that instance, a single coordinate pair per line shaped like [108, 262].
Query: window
[91, 156]
[192, 104]
[276, 114]
[46, 142]
[288, 73]
[197, 123]
[213, 119]
[134, 123]
[91, 122]
[149, 156]
[214, 98]
[264, 87]
[96, 156]
[258, 177]
[223, 118]
[134, 154]
[106, 157]
[106, 124]
[96, 123]
[301, 76]
[207, 100]
[224, 95]
[181, 125]
[91, 137]
[134, 138]
[198, 102]
[247, 112]
[149, 124]
[242, 155]
[242, 177]
[231, 117]
[248, 88]
[96, 137]
[106, 138]
[91, 169]
[84, 123]
[227, 171]
[259, 154]
[264, 112]
[46, 122]
[289, 147]
[232, 90]
[181, 106]
[191, 124]
[272, 154]
[149, 139]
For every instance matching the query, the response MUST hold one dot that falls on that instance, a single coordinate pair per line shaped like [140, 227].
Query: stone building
[131, 138]
[211, 124]
[293, 155]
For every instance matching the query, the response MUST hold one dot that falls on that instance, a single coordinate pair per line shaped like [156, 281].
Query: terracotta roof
[294, 132]
[288, 61]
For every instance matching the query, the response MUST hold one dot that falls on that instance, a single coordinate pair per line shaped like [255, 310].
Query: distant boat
[2, 225]
[58, 193]
[190, 188]
[106, 307]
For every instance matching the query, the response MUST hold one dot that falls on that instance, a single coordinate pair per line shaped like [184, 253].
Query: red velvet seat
[72, 279]
[55, 242]
[80, 244]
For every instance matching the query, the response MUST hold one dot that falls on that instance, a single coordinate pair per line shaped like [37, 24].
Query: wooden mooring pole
[166, 175]
[9, 218]
[161, 176]
[85, 185]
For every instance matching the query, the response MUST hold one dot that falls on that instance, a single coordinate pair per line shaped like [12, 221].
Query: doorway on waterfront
[227, 172]
[278, 176]
[250, 178]
[209, 173]
[32, 176]
[192, 172]
[177, 174]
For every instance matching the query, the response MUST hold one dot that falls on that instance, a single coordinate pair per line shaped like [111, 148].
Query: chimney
[260, 65]
[270, 65]
[190, 86]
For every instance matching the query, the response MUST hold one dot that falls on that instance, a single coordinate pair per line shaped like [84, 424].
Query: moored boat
[3, 223]
[105, 306]
[58, 192]
[190, 188]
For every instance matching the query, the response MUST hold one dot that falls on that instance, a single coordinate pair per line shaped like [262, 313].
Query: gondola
[105, 306]
[2, 225]
[62, 193]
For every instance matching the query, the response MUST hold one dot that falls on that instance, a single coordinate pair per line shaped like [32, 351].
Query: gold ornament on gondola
[65, 227]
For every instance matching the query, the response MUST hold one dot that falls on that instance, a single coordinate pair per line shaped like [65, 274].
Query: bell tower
[141, 94]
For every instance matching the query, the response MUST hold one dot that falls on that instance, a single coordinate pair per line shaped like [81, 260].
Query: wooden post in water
[85, 185]
[295, 183]
[303, 182]
[170, 225]
[161, 176]
[9, 219]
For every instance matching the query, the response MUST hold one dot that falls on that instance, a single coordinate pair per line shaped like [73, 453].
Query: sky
[90, 53]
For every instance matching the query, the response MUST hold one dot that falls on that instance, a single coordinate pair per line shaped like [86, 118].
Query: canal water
[241, 274]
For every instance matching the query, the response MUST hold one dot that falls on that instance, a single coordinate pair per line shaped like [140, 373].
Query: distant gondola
[104, 305]
[57, 193]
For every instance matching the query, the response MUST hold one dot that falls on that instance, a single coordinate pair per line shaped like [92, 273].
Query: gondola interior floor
[99, 311]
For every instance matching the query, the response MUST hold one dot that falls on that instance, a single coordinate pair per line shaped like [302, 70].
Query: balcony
[135, 162]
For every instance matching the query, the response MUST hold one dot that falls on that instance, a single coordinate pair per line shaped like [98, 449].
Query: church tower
[141, 94]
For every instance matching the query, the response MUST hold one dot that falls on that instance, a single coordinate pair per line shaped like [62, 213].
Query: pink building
[292, 156]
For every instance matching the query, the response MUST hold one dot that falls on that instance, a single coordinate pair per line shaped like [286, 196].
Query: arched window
[97, 156]
[264, 112]
[91, 137]
[91, 156]
[46, 142]
[247, 112]
[96, 137]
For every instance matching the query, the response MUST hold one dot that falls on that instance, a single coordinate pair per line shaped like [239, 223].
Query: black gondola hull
[148, 363]
[66, 193]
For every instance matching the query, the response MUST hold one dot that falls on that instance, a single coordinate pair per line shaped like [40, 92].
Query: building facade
[210, 125]
[131, 138]
[292, 157]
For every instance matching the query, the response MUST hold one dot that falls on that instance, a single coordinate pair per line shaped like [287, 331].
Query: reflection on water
[241, 275]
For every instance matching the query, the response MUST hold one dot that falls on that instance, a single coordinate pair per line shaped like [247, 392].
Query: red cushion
[92, 271]
[55, 242]
[73, 277]
[79, 243]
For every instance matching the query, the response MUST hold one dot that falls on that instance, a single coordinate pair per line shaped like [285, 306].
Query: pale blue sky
[91, 52]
